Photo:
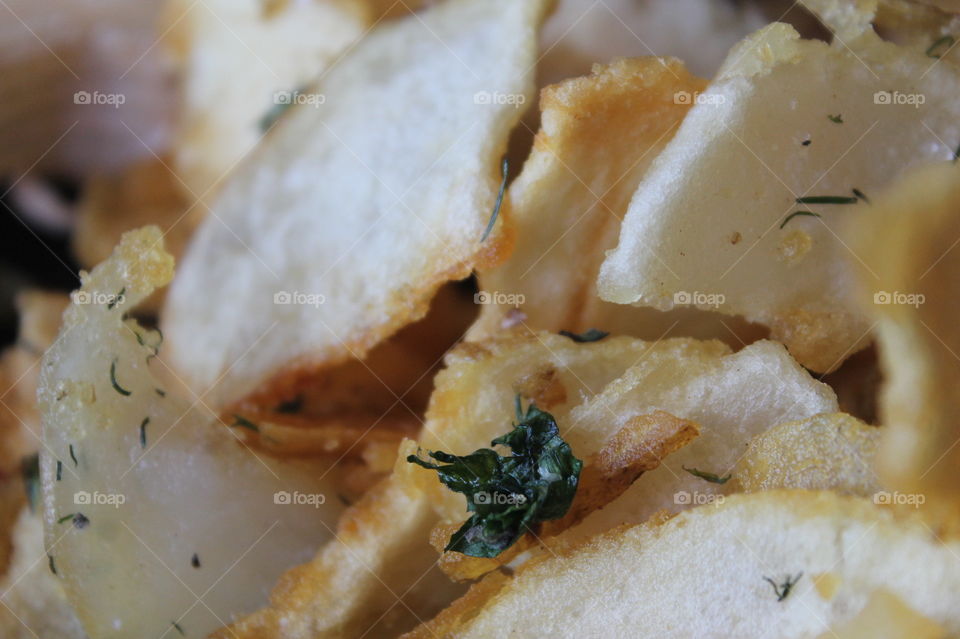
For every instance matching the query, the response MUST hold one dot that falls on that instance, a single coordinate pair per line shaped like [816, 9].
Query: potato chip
[832, 451]
[737, 569]
[599, 136]
[131, 474]
[908, 243]
[800, 136]
[337, 235]
[242, 60]
[33, 602]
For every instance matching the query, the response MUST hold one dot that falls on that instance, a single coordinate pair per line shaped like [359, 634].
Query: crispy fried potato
[824, 452]
[598, 137]
[908, 242]
[240, 59]
[131, 474]
[350, 232]
[362, 580]
[714, 229]
[703, 573]
[886, 616]
[33, 602]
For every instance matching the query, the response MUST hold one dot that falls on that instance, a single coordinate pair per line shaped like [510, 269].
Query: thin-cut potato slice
[599, 134]
[832, 451]
[380, 571]
[732, 398]
[33, 602]
[886, 616]
[145, 492]
[908, 240]
[337, 235]
[704, 574]
[786, 119]
[240, 60]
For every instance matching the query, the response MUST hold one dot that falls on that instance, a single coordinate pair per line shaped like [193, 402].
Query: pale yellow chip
[138, 481]
[736, 569]
[242, 60]
[33, 602]
[337, 233]
[785, 120]
[908, 243]
[832, 451]
[599, 135]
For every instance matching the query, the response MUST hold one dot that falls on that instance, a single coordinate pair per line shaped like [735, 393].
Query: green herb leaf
[178, 628]
[30, 472]
[116, 299]
[143, 432]
[505, 169]
[592, 335]
[73, 456]
[947, 40]
[826, 199]
[80, 521]
[710, 477]
[53, 565]
[113, 380]
[783, 590]
[509, 495]
[195, 560]
[859, 195]
[797, 213]
[243, 422]
[836, 119]
[59, 470]
[160, 392]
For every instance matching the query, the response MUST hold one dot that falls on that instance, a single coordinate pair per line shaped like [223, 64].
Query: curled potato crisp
[337, 234]
[909, 243]
[147, 492]
[801, 562]
[801, 135]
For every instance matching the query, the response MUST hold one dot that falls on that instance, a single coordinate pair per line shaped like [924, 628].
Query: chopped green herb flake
[290, 406]
[806, 142]
[113, 380]
[710, 477]
[116, 299]
[860, 196]
[798, 213]
[59, 470]
[80, 521]
[505, 170]
[177, 627]
[195, 560]
[73, 456]
[782, 590]
[956, 153]
[942, 45]
[66, 518]
[826, 199]
[52, 564]
[143, 432]
[509, 495]
[592, 335]
[836, 119]
[160, 392]
[243, 422]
